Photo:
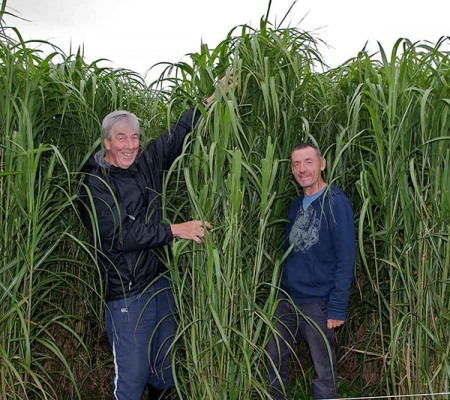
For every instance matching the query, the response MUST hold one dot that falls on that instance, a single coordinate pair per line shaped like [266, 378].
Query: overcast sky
[137, 34]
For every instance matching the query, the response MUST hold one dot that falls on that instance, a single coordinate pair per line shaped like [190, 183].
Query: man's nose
[130, 143]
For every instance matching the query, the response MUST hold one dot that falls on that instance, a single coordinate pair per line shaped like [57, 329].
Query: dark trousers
[292, 327]
[140, 330]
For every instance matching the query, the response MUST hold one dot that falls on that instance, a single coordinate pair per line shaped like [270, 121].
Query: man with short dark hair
[316, 275]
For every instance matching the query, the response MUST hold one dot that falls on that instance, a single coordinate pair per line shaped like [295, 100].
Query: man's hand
[223, 86]
[192, 230]
[334, 323]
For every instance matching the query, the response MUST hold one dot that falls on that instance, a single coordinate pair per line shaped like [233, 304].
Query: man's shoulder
[96, 176]
[337, 193]
[335, 199]
[296, 201]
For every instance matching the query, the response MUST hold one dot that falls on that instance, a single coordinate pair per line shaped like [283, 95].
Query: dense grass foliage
[49, 290]
[383, 125]
[234, 174]
[398, 120]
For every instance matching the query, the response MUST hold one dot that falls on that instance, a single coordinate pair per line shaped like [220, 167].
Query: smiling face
[123, 146]
[307, 166]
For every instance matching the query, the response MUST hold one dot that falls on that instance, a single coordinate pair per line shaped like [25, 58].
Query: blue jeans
[140, 331]
[292, 327]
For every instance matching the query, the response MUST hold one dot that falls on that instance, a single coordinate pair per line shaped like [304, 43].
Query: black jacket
[127, 206]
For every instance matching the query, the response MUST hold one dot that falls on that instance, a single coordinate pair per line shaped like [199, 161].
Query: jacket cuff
[169, 234]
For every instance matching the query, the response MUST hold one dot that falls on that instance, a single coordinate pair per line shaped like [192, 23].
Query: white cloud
[136, 34]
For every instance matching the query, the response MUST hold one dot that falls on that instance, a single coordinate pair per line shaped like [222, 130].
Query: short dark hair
[306, 145]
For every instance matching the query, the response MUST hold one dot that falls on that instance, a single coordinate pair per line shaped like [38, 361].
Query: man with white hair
[122, 207]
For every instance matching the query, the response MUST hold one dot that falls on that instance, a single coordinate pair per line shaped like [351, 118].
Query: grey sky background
[137, 34]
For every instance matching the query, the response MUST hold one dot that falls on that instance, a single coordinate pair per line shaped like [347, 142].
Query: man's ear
[324, 164]
[106, 143]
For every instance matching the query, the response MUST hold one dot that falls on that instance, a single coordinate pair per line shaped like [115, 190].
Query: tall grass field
[383, 123]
